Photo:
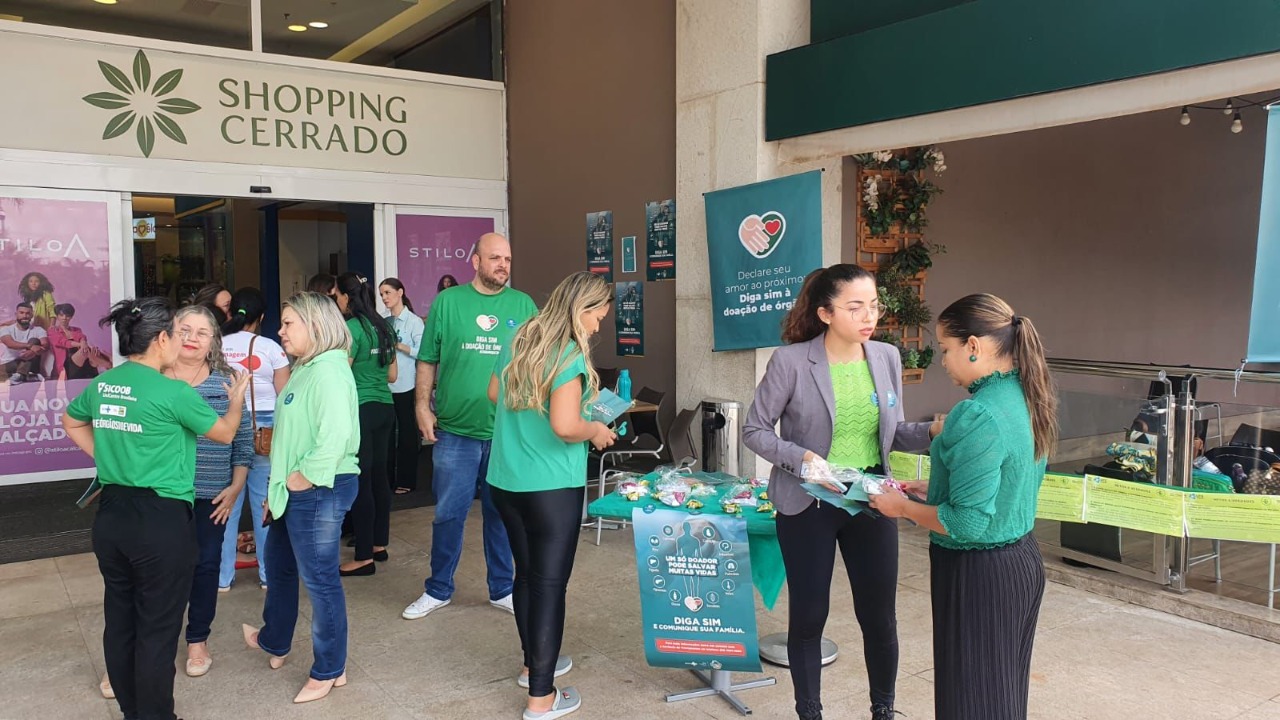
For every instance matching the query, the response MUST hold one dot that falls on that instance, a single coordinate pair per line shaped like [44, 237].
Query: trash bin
[721, 435]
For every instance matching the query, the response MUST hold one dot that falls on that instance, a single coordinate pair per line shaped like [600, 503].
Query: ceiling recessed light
[298, 28]
[319, 25]
[106, 2]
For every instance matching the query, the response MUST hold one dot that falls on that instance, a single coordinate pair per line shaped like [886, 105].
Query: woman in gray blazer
[835, 396]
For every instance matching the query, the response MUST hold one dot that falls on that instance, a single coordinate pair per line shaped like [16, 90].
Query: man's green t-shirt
[527, 455]
[369, 372]
[466, 330]
[144, 429]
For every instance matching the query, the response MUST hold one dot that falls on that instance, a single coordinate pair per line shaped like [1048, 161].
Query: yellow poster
[1061, 498]
[1133, 505]
[907, 466]
[1251, 518]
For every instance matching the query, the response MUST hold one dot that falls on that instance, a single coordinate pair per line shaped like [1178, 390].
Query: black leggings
[543, 529]
[371, 513]
[869, 546]
[408, 443]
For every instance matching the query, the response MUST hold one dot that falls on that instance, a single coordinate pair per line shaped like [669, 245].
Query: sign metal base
[720, 682]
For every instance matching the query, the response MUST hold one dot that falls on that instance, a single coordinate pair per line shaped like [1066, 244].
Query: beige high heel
[105, 688]
[251, 639]
[311, 694]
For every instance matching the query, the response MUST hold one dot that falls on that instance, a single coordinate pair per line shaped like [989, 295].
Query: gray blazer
[796, 389]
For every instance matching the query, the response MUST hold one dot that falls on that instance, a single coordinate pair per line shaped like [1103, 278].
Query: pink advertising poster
[433, 252]
[54, 286]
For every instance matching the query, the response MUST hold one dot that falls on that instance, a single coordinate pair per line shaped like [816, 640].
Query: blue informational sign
[696, 597]
[1264, 330]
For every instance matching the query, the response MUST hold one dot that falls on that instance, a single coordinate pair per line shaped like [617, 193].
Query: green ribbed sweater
[985, 477]
[855, 437]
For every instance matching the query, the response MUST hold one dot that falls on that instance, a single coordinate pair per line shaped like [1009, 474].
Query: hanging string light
[1231, 108]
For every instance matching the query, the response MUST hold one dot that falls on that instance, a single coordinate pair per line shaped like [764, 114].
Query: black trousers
[985, 607]
[869, 547]
[371, 513]
[543, 530]
[146, 549]
[408, 443]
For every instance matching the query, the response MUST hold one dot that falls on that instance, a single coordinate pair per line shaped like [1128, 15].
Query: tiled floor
[1095, 657]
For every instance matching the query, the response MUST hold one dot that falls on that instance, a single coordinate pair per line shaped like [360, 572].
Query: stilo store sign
[118, 100]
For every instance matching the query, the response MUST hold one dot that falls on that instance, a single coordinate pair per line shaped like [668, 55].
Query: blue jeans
[460, 466]
[203, 603]
[305, 544]
[256, 487]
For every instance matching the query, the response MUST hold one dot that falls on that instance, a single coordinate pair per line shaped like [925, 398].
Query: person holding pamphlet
[987, 578]
[140, 427]
[543, 385]
[838, 395]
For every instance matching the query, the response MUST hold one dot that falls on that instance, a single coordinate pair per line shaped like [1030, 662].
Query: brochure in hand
[853, 501]
[90, 494]
[609, 407]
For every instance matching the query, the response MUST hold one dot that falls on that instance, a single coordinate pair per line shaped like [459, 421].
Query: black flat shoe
[362, 571]
[380, 555]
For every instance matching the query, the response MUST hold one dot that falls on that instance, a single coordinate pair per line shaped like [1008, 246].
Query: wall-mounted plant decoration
[894, 193]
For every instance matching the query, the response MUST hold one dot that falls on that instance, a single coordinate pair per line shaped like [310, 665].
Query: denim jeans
[256, 487]
[203, 604]
[460, 466]
[304, 543]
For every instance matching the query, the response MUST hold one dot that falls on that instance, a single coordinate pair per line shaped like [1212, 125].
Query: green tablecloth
[767, 571]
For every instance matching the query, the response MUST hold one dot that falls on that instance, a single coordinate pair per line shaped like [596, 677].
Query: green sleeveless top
[855, 438]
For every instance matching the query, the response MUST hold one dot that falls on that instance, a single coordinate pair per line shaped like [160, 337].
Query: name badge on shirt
[875, 399]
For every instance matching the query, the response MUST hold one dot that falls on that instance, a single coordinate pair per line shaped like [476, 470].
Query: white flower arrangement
[871, 193]
[883, 156]
[934, 155]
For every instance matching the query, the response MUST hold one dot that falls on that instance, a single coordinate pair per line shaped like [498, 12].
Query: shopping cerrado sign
[108, 99]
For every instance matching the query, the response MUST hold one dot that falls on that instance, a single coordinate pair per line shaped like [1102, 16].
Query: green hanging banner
[628, 312]
[660, 236]
[762, 240]
[600, 244]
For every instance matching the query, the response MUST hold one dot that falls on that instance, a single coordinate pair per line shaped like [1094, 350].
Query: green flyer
[908, 467]
[697, 604]
[762, 240]
[1061, 498]
[600, 244]
[628, 254]
[660, 236]
[1250, 518]
[1137, 506]
[628, 318]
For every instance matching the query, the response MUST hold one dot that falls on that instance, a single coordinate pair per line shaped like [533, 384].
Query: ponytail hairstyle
[538, 350]
[360, 305]
[139, 322]
[821, 287]
[1015, 337]
[395, 284]
[248, 306]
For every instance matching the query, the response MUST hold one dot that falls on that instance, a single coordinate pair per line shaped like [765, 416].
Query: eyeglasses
[185, 334]
[874, 311]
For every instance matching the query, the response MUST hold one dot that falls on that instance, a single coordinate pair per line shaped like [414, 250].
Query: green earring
[973, 358]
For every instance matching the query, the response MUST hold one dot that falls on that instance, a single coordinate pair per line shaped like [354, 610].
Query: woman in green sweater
[987, 577]
[313, 483]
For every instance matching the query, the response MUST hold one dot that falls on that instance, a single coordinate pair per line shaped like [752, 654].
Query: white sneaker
[504, 603]
[422, 607]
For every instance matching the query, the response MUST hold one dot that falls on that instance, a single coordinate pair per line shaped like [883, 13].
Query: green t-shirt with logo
[370, 374]
[466, 330]
[144, 429]
[527, 455]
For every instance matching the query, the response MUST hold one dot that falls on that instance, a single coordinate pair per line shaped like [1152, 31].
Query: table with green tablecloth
[767, 571]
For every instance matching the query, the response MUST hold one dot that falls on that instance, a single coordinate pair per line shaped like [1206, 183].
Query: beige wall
[1130, 239]
[591, 126]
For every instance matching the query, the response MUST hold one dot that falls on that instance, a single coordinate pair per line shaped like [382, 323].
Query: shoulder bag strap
[253, 399]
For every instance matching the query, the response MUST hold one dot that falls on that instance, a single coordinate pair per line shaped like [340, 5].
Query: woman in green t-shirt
[373, 364]
[140, 428]
[988, 463]
[542, 385]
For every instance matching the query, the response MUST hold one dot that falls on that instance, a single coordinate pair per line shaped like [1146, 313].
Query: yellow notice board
[907, 466]
[1251, 518]
[1138, 506]
[1061, 498]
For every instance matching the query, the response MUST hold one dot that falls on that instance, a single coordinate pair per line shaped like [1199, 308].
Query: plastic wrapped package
[741, 494]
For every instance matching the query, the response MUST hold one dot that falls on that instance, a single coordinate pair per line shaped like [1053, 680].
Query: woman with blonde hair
[987, 578]
[542, 384]
[313, 483]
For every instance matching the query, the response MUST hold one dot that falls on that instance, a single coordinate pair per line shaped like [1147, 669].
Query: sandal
[567, 701]
[245, 543]
[403, 490]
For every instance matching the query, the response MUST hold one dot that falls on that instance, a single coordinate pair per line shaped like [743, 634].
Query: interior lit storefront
[144, 166]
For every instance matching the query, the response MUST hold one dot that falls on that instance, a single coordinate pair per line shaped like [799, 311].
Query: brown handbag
[261, 436]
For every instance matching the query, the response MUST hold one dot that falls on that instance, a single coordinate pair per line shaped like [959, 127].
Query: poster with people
[660, 231]
[629, 318]
[433, 253]
[55, 283]
[696, 598]
[600, 244]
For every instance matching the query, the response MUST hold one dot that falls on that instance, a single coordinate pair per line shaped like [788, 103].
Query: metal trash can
[721, 435]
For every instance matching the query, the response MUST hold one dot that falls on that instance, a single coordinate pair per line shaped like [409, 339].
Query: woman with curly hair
[36, 289]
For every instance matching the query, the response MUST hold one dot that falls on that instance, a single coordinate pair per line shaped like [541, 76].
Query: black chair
[1256, 436]
[1092, 538]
